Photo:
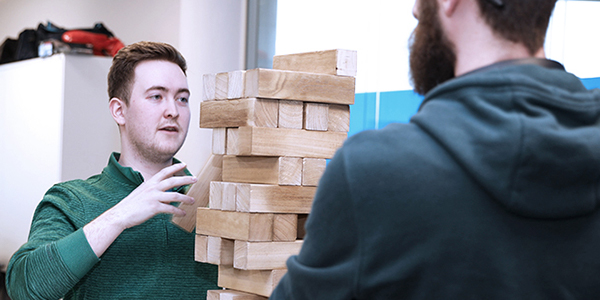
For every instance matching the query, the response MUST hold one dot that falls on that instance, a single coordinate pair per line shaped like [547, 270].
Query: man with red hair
[110, 236]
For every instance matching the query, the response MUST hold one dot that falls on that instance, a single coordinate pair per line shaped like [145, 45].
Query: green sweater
[154, 260]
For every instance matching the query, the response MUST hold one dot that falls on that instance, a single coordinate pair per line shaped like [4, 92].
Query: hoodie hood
[529, 135]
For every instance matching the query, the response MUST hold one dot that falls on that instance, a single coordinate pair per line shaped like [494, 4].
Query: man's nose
[171, 109]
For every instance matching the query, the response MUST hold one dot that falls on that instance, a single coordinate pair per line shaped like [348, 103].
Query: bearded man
[491, 191]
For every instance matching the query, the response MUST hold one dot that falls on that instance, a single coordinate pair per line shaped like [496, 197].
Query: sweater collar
[129, 176]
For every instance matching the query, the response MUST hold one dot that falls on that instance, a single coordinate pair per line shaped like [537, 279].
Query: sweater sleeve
[57, 254]
[327, 265]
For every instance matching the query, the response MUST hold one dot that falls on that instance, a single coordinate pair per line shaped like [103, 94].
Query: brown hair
[122, 71]
[519, 21]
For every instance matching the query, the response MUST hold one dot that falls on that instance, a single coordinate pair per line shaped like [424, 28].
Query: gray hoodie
[490, 192]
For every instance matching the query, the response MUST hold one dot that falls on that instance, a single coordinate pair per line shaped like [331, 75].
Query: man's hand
[146, 201]
[151, 198]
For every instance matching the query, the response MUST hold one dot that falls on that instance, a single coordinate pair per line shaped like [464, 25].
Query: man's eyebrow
[157, 87]
[164, 89]
[179, 91]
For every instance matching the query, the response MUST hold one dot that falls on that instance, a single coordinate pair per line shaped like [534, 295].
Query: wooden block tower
[273, 130]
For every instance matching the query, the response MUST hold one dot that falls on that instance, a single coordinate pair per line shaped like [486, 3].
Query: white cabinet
[54, 126]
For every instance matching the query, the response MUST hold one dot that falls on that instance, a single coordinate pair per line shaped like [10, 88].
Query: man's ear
[117, 110]
[448, 7]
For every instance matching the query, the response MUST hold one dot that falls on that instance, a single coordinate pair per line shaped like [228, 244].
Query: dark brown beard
[432, 57]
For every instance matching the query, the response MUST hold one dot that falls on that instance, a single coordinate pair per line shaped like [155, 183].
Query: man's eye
[155, 97]
[183, 99]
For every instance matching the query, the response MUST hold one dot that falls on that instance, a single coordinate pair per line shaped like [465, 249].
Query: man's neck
[472, 58]
[476, 45]
[146, 167]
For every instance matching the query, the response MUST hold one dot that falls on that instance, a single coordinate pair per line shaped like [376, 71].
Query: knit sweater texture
[491, 191]
[154, 260]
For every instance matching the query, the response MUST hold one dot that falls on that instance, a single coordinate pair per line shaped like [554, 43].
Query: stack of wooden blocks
[273, 130]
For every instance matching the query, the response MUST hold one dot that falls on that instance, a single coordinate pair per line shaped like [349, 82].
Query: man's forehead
[160, 75]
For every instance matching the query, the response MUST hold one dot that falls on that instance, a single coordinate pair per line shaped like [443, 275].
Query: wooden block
[263, 169]
[339, 118]
[234, 143]
[208, 84]
[235, 225]
[220, 251]
[222, 195]
[288, 85]
[201, 248]
[212, 171]
[263, 255]
[285, 227]
[290, 171]
[221, 86]
[261, 282]
[219, 141]
[266, 113]
[290, 114]
[274, 198]
[347, 62]
[251, 169]
[216, 195]
[262, 141]
[335, 62]
[260, 228]
[302, 226]
[243, 193]
[236, 113]
[316, 116]
[229, 196]
[235, 86]
[231, 295]
[312, 170]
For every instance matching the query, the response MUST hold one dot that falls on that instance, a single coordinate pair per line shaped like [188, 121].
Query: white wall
[30, 143]
[87, 121]
[573, 37]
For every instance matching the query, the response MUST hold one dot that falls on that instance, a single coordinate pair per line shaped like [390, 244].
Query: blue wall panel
[362, 113]
[397, 107]
[394, 107]
[591, 83]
